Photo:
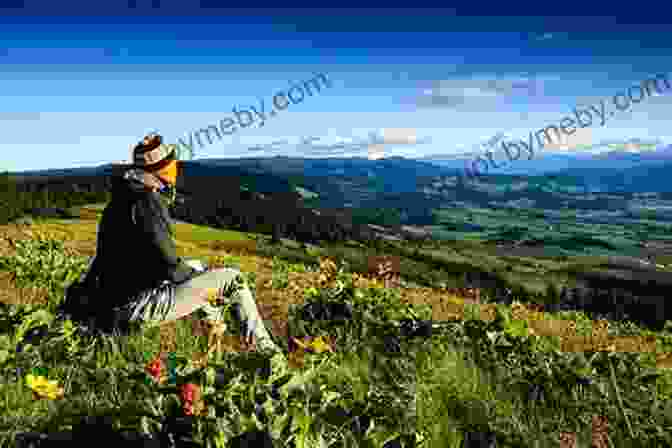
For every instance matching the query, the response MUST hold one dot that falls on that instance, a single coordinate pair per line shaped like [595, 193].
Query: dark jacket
[135, 250]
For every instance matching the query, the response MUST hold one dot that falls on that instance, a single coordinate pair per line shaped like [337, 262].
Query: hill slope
[277, 284]
[426, 272]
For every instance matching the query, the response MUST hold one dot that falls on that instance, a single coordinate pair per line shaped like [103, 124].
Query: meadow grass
[472, 377]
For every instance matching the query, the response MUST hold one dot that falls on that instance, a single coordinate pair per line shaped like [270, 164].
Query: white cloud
[376, 152]
[478, 94]
[580, 137]
[376, 143]
[400, 136]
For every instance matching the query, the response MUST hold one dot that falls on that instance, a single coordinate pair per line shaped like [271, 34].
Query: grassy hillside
[447, 264]
[524, 376]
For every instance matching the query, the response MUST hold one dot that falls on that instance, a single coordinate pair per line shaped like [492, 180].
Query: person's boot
[266, 345]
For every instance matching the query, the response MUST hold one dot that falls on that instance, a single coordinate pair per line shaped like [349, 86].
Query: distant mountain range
[622, 169]
[395, 174]
[637, 170]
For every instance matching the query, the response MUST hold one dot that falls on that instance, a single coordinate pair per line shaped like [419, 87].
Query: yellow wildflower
[317, 345]
[320, 345]
[455, 300]
[212, 295]
[44, 388]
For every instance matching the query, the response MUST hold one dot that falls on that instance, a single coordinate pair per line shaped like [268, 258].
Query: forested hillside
[18, 199]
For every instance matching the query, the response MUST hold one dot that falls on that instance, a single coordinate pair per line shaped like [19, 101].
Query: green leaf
[380, 437]
[517, 328]
[4, 356]
[648, 375]
[35, 319]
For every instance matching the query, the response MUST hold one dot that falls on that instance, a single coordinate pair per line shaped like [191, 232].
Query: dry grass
[11, 294]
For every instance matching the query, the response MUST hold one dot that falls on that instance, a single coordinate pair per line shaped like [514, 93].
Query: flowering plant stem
[619, 399]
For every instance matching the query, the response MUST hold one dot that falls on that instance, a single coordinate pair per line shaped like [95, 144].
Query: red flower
[154, 368]
[188, 409]
[189, 392]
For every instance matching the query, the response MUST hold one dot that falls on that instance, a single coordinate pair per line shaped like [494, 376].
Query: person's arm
[150, 215]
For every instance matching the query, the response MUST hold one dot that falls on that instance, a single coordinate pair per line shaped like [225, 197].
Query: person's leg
[229, 284]
[193, 295]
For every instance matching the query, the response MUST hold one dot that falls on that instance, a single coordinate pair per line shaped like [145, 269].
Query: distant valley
[495, 231]
[569, 212]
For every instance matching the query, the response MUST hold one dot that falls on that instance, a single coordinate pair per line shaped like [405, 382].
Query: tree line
[278, 213]
[19, 198]
[281, 215]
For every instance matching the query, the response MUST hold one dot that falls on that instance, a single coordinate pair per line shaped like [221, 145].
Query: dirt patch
[13, 295]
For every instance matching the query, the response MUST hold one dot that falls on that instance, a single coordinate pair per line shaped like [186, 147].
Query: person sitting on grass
[136, 277]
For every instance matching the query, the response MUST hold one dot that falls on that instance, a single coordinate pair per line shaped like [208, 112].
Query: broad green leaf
[4, 356]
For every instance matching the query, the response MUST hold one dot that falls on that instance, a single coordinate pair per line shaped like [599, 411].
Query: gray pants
[182, 300]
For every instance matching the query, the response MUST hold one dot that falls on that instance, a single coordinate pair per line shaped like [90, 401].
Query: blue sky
[81, 86]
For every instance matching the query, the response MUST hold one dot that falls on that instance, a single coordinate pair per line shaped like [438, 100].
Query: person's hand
[196, 265]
